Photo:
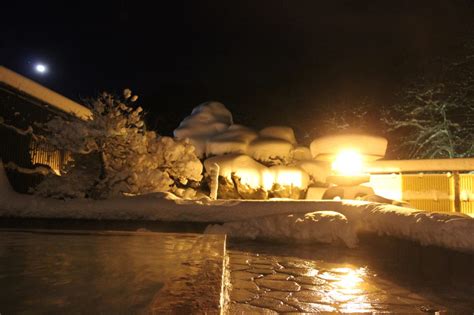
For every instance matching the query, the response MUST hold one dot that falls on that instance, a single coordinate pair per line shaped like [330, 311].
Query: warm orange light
[348, 162]
[289, 178]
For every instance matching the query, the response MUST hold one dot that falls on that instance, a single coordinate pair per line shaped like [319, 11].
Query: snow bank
[448, 230]
[233, 140]
[205, 121]
[319, 226]
[370, 146]
[455, 231]
[452, 231]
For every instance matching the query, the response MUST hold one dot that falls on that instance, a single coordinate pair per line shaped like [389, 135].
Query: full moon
[40, 68]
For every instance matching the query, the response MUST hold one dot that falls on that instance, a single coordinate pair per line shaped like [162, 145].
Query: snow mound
[270, 150]
[455, 231]
[205, 121]
[372, 147]
[250, 171]
[279, 132]
[318, 170]
[233, 140]
[319, 226]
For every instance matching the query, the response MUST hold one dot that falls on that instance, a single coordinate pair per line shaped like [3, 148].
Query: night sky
[269, 62]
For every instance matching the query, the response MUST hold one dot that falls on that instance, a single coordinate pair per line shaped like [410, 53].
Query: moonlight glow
[41, 68]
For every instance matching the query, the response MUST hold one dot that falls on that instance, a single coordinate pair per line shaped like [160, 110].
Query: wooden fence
[432, 192]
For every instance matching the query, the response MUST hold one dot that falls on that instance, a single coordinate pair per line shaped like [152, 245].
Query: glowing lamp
[348, 162]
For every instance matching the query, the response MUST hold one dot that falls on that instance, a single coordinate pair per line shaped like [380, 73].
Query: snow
[301, 153]
[318, 226]
[233, 140]
[318, 170]
[205, 121]
[255, 174]
[270, 150]
[311, 221]
[279, 132]
[370, 146]
[448, 230]
[289, 176]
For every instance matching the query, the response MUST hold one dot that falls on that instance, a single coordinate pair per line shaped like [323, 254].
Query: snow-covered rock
[290, 176]
[270, 150]
[318, 170]
[233, 140]
[372, 147]
[205, 121]
[279, 132]
[319, 226]
[251, 172]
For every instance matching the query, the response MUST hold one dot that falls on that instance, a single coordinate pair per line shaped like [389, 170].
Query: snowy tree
[352, 117]
[114, 154]
[435, 115]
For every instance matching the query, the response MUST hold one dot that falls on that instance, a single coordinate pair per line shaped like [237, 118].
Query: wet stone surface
[269, 283]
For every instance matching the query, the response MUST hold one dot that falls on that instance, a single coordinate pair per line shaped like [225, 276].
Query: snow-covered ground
[282, 220]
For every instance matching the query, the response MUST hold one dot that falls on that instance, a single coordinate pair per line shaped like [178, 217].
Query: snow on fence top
[433, 165]
[42, 93]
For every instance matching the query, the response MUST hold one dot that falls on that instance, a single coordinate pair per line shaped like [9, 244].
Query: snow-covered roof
[42, 93]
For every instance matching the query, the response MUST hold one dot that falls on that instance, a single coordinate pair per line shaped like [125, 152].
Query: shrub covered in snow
[128, 158]
[235, 139]
[205, 121]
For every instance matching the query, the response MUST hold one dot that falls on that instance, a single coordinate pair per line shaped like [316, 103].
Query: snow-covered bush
[131, 159]
[205, 121]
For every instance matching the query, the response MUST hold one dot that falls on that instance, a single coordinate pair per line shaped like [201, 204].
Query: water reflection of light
[311, 272]
[348, 289]
[351, 279]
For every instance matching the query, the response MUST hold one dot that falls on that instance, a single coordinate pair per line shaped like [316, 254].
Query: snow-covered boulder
[290, 176]
[279, 132]
[233, 140]
[371, 147]
[205, 121]
[301, 153]
[318, 226]
[270, 150]
[318, 170]
[249, 171]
